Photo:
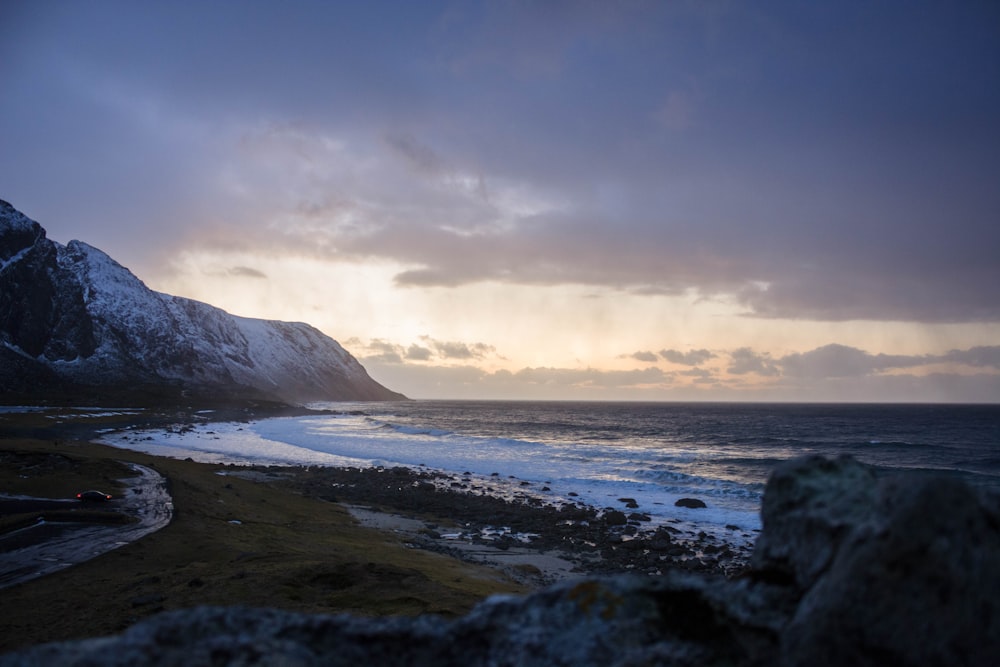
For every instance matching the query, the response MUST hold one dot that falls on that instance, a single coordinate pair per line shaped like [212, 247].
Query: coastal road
[50, 546]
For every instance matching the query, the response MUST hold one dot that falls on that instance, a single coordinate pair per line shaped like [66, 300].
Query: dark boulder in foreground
[849, 570]
[903, 572]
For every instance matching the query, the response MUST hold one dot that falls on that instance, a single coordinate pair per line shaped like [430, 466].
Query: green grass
[288, 551]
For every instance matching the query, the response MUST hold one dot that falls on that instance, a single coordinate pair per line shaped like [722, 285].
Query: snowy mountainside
[72, 318]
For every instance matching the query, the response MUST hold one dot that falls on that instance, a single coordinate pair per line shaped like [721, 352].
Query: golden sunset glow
[657, 201]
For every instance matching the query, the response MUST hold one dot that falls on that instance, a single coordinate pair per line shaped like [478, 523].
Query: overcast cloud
[822, 161]
[795, 162]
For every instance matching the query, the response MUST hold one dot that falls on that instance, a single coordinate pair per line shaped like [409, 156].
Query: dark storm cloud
[417, 353]
[423, 158]
[690, 358]
[824, 161]
[744, 360]
[381, 351]
[842, 361]
[700, 374]
[246, 272]
[987, 356]
[459, 350]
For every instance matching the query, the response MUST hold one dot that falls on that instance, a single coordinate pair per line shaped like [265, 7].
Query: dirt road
[49, 546]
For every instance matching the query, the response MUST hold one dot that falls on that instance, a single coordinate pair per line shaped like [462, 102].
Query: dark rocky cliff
[76, 325]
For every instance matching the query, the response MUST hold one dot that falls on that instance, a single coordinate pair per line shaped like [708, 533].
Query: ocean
[599, 453]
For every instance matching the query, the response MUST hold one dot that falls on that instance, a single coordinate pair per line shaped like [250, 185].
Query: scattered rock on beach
[692, 503]
[615, 518]
[577, 530]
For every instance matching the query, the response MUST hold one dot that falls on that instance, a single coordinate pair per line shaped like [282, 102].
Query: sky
[607, 200]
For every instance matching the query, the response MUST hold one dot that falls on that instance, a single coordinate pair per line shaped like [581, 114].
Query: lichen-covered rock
[615, 518]
[613, 621]
[919, 584]
[810, 505]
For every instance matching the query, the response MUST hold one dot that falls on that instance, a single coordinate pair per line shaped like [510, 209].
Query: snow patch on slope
[143, 336]
[13, 220]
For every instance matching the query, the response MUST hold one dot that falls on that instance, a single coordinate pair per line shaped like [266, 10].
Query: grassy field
[287, 551]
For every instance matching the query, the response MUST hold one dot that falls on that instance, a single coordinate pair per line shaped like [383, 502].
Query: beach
[372, 541]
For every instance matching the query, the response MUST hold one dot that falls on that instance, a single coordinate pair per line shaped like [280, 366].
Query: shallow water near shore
[601, 453]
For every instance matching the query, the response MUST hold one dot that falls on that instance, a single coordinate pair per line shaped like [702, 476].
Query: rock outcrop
[903, 572]
[851, 569]
[74, 323]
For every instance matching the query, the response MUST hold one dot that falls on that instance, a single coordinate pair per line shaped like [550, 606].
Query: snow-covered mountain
[73, 321]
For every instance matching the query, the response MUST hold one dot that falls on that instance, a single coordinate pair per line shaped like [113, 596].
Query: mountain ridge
[74, 322]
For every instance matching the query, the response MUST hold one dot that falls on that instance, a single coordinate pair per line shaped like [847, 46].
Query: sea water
[599, 453]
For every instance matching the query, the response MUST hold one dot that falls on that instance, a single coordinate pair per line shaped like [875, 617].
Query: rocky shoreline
[497, 511]
[499, 514]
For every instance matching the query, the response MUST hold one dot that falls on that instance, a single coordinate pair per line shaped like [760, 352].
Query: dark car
[93, 496]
